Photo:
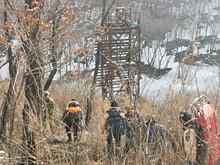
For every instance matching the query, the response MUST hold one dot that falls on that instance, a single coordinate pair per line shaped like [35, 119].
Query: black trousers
[116, 134]
[72, 123]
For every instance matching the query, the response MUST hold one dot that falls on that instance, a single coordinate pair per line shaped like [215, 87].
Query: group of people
[145, 134]
[199, 138]
[141, 133]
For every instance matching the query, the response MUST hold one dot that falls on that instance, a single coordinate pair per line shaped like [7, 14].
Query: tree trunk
[32, 110]
[10, 96]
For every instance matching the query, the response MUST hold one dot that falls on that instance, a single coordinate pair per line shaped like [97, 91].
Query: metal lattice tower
[120, 54]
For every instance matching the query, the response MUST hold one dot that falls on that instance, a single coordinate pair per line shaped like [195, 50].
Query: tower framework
[119, 71]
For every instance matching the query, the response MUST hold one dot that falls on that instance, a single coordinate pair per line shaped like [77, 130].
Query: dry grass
[91, 149]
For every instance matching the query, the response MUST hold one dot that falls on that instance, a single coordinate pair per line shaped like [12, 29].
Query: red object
[207, 120]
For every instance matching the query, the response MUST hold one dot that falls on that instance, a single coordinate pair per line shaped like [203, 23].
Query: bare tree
[10, 96]
[40, 30]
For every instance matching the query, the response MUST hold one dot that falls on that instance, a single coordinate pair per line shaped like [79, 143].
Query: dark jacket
[115, 121]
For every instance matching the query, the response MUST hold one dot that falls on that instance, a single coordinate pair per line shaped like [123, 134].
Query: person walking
[72, 117]
[114, 125]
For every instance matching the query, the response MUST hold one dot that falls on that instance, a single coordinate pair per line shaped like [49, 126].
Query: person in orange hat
[72, 117]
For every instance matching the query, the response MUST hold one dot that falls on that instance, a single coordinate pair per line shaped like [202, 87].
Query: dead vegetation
[92, 147]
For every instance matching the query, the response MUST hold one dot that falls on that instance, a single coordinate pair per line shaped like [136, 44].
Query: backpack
[206, 128]
[114, 121]
[189, 140]
[72, 112]
[114, 116]
[73, 109]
